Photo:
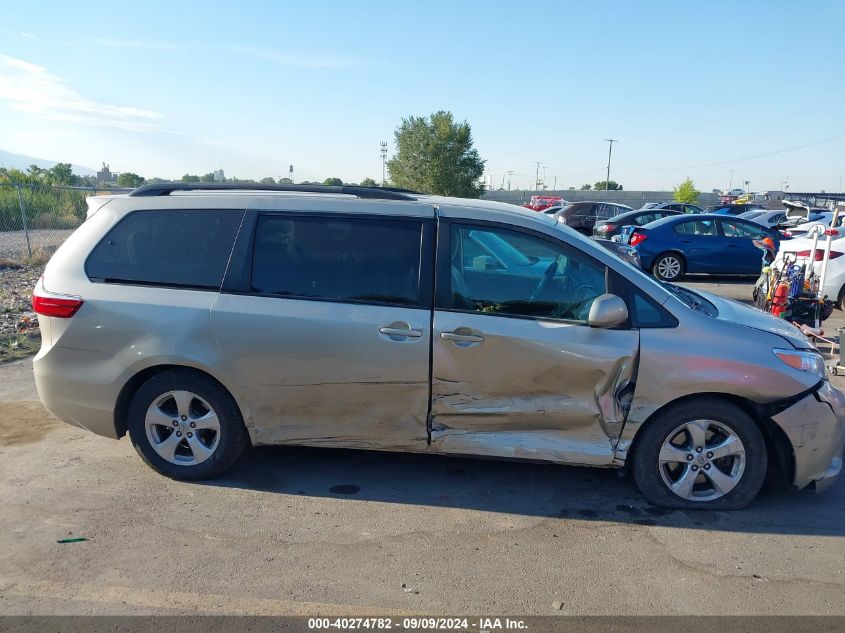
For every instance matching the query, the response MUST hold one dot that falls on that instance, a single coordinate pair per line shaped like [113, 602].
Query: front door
[517, 372]
[329, 342]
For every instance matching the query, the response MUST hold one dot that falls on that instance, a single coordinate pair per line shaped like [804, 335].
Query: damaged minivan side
[377, 319]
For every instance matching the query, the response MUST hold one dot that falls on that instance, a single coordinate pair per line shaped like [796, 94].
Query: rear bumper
[76, 387]
[815, 426]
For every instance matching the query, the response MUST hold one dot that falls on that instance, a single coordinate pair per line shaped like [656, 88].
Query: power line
[744, 158]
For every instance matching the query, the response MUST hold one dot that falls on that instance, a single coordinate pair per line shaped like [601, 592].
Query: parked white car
[765, 218]
[824, 219]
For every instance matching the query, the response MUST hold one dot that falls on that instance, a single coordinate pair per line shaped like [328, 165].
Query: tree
[128, 179]
[190, 178]
[209, 177]
[337, 182]
[603, 185]
[436, 155]
[369, 182]
[285, 181]
[586, 187]
[62, 174]
[686, 192]
[269, 180]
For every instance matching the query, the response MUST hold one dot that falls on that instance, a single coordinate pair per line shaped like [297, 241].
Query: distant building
[219, 176]
[105, 175]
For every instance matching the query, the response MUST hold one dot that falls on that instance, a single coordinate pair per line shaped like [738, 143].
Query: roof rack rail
[165, 189]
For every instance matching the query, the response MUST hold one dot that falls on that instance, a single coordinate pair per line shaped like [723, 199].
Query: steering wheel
[544, 281]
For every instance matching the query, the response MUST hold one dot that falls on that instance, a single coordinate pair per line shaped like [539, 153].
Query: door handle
[461, 338]
[397, 331]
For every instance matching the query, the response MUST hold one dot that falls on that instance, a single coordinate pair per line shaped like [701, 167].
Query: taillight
[637, 238]
[607, 228]
[56, 306]
[819, 254]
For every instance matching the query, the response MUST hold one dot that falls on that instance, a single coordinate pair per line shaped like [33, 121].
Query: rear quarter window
[167, 248]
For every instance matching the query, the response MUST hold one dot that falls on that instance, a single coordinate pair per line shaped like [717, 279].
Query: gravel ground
[43, 241]
[19, 335]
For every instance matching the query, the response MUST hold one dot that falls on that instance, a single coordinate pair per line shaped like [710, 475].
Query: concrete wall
[634, 199]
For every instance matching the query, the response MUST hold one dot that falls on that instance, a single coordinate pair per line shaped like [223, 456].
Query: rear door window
[170, 247]
[338, 259]
[697, 227]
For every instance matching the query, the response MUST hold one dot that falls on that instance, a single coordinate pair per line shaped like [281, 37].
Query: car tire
[185, 425]
[670, 471]
[840, 300]
[668, 267]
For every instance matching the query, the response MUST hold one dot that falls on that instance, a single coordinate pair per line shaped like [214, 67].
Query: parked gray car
[199, 319]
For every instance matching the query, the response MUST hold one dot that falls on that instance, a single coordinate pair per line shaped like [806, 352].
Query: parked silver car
[200, 321]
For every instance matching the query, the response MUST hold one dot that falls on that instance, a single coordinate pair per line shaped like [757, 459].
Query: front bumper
[815, 426]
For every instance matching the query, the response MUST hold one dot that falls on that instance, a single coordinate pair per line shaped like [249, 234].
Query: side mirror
[607, 311]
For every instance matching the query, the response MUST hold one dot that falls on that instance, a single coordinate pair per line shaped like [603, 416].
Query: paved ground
[303, 530]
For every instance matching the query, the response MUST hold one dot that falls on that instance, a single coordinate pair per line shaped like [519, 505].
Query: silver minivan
[199, 319]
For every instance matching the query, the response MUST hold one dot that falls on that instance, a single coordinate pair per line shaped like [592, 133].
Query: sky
[689, 89]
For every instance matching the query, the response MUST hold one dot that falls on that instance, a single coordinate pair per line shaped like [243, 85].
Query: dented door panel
[534, 389]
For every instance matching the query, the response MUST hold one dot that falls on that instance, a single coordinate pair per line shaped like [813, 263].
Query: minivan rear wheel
[185, 425]
[704, 453]
[668, 267]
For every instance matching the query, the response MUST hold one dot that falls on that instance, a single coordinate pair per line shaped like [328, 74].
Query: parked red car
[541, 203]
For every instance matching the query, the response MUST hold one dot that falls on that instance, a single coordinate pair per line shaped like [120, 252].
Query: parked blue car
[707, 243]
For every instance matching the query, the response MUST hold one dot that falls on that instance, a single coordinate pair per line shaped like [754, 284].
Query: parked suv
[582, 216]
[199, 322]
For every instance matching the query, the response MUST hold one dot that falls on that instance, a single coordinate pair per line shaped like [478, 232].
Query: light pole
[383, 146]
[537, 176]
[609, 153]
[731, 185]
[510, 173]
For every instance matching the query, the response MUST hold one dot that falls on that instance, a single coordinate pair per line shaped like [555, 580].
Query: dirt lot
[19, 336]
[299, 531]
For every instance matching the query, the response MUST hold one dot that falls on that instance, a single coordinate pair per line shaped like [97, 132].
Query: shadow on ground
[587, 494]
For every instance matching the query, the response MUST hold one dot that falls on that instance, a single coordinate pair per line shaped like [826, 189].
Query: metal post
[23, 220]
[609, 152]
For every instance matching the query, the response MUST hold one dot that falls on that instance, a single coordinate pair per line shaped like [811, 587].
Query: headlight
[811, 362]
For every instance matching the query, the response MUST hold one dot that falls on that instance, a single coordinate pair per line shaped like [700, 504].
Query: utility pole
[537, 176]
[609, 153]
[383, 146]
[503, 180]
[555, 187]
[731, 185]
[510, 173]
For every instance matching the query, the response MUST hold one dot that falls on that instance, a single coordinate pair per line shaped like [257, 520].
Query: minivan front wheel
[704, 453]
[185, 425]
[668, 267]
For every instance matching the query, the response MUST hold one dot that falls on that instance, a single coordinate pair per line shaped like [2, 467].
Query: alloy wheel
[702, 460]
[669, 267]
[182, 428]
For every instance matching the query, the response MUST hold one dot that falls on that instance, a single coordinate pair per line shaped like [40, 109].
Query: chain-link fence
[36, 219]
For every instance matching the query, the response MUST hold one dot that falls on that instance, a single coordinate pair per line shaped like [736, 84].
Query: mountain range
[10, 160]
